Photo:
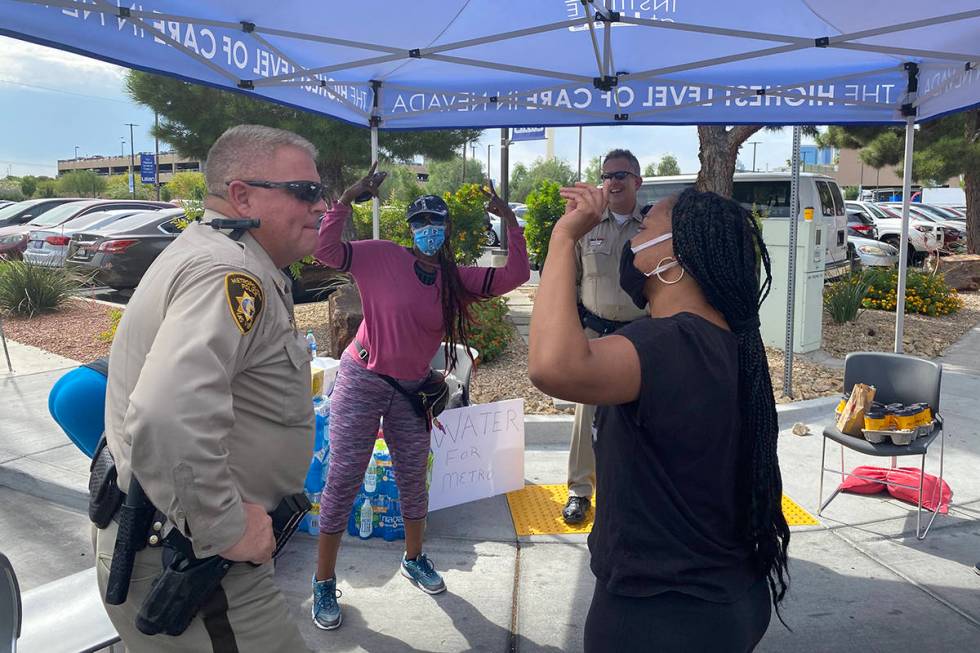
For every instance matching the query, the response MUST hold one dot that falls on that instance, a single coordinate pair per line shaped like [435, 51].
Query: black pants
[676, 622]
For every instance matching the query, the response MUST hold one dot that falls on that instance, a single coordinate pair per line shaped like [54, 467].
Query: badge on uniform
[595, 243]
[245, 299]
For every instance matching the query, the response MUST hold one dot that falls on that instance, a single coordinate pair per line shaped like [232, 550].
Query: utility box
[808, 310]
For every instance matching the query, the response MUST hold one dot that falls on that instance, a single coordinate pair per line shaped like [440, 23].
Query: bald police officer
[208, 401]
[603, 307]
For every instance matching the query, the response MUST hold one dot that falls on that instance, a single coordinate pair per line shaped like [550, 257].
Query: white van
[768, 193]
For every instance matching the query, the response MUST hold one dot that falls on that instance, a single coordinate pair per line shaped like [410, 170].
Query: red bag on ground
[933, 495]
[860, 486]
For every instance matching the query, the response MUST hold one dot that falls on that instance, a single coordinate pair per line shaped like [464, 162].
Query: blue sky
[51, 101]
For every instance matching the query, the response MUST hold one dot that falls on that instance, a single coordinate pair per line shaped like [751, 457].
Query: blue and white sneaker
[423, 575]
[326, 610]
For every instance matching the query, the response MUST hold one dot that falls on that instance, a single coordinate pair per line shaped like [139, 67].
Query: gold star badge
[244, 295]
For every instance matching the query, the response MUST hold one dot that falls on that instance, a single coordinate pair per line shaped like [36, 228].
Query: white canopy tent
[490, 63]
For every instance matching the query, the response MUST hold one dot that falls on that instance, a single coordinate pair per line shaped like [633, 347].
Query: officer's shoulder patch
[245, 299]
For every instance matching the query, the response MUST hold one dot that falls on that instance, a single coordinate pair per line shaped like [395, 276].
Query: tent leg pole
[794, 201]
[903, 250]
[375, 202]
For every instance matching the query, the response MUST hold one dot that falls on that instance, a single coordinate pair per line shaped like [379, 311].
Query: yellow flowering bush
[925, 294]
[489, 331]
[468, 222]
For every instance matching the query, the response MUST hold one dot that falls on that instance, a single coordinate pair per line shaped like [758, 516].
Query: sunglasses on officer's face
[305, 191]
[619, 175]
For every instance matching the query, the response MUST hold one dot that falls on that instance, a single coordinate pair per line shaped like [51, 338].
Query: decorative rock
[962, 272]
[801, 429]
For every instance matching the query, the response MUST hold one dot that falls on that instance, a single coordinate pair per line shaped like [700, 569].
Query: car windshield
[95, 220]
[58, 214]
[140, 219]
[12, 210]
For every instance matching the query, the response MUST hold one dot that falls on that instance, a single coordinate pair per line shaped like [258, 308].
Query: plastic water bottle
[371, 476]
[366, 524]
[311, 342]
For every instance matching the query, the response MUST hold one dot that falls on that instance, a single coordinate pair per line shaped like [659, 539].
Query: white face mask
[661, 266]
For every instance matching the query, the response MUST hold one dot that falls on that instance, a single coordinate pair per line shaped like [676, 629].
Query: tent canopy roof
[484, 63]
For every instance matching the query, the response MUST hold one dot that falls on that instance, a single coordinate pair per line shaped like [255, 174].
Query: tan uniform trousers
[252, 618]
[581, 457]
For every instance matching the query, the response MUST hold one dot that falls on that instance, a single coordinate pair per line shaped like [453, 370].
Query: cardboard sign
[480, 454]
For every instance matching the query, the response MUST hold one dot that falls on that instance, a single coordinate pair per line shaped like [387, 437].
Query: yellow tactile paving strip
[536, 510]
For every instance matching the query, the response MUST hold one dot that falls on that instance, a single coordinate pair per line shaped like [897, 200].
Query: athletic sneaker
[421, 572]
[326, 610]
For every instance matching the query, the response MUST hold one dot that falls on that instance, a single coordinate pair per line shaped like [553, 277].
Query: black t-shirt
[667, 518]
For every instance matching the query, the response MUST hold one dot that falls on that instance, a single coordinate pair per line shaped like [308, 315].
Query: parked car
[953, 231]
[50, 246]
[925, 237]
[117, 255]
[769, 193]
[861, 223]
[13, 239]
[941, 212]
[21, 212]
[492, 238]
[872, 253]
[4, 203]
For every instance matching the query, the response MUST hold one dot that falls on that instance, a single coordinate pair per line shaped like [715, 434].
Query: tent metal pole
[375, 202]
[794, 221]
[375, 122]
[903, 249]
[504, 176]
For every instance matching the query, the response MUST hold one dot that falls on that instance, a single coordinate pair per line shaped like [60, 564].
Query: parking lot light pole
[132, 159]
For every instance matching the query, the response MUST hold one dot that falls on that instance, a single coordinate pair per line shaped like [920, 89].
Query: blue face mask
[429, 239]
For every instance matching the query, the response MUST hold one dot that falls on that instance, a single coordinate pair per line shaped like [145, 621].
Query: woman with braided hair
[689, 542]
[413, 299]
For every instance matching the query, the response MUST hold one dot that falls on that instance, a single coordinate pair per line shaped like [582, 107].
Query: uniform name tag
[245, 299]
[596, 243]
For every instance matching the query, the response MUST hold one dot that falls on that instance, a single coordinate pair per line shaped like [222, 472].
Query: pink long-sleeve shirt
[402, 327]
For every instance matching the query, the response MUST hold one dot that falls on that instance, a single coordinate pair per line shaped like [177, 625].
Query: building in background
[851, 171]
[812, 155]
[169, 163]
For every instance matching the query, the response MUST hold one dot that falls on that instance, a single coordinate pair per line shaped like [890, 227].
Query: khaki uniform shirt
[208, 399]
[597, 256]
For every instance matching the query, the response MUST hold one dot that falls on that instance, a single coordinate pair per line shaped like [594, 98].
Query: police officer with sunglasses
[603, 307]
[208, 402]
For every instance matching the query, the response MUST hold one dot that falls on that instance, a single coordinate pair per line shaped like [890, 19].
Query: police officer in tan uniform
[208, 402]
[603, 307]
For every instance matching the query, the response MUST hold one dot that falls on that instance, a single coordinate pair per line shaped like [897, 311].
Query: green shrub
[27, 289]
[544, 207]
[393, 225]
[925, 293]
[843, 300]
[467, 212]
[109, 334]
[490, 332]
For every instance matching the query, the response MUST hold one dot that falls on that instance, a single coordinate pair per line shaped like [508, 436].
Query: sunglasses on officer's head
[619, 175]
[305, 191]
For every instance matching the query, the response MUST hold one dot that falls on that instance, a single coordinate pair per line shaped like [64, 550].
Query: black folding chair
[897, 379]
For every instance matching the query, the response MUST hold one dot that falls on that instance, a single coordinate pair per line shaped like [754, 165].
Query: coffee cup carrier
[900, 438]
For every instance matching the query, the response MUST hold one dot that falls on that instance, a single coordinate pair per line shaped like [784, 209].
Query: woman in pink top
[413, 299]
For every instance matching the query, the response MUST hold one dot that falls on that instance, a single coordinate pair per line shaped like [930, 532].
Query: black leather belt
[598, 324]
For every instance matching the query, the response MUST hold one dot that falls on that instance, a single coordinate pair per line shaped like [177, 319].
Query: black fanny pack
[428, 400]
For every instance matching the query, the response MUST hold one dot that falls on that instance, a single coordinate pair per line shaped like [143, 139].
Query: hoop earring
[660, 271]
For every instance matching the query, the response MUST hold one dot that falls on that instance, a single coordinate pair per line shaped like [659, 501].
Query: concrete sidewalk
[860, 581]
